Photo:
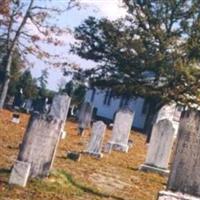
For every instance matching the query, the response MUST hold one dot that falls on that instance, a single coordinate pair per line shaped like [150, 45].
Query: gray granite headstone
[95, 144]
[160, 147]
[85, 116]
[39, 144]
[20, 173]
[59, 109]
[185, 173]
[121, 130]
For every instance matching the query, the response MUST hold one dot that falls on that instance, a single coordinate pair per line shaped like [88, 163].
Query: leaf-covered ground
[113, 177]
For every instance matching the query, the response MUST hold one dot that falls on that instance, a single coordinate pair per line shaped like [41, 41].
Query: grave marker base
[169, 195]
[20, 173]
[118, 147]
[150, 168]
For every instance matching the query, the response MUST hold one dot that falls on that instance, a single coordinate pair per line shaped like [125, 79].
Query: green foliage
[76, 91]
[154, 52]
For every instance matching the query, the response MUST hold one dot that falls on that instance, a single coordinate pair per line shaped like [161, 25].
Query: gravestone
[121, 130]
[172, 113]
[95, 144]
[16, 118]
[20, 173]
[160, 147]
[39, 144]
[59, 109]
[84, 117]
[184, 179]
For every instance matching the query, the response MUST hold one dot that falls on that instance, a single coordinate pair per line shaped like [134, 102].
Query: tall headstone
[39, 144]
[59, 109]
[96, 141]
[121, 130]
[184, 179]
[85, 117]
[160, 147]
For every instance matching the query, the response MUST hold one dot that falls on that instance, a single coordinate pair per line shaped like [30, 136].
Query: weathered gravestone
[20, 173]
[184, 180]
[59, 109]
[160, 147]
[84, 117]
[39, 144]
[121, 130]
[170, 112]
[96, 141]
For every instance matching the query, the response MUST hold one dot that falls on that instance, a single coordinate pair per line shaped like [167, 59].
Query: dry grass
[115, 176]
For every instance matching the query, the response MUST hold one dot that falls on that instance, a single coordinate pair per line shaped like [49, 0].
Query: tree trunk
[6, 81]
[153, 109]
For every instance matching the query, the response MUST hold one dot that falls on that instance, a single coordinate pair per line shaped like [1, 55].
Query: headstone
[28, 105]
[95, 144]
[184, 179]
[20, 173]
[160, 148]
[16, 118]
[171, 112]
[59, 109]
[121, 130]
[39, 144]
[85, 117]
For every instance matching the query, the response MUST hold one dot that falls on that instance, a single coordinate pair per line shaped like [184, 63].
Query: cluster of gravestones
[38, 148]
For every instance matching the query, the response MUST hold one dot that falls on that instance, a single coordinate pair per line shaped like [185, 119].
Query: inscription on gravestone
[121, 130]
[160, 147]
[39, 144]
[185, 173]
[85, 117]
[96, 140]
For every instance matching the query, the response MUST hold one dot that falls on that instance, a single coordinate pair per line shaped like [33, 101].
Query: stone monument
[95, 144]
[38, 146]
[121, 130]
[59, 109]
[184, 179]
[160, 147]
[84, 117]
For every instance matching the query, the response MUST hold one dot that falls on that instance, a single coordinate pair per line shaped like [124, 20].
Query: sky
[110, 9]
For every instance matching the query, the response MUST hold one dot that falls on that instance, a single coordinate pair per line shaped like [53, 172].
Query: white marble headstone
[172, 113]
[160, 147]
[121, 130]
[95, 144]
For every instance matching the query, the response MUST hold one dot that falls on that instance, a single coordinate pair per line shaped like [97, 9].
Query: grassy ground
[113, 177]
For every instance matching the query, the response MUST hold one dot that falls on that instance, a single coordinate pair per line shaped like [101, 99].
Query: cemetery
[100, 100]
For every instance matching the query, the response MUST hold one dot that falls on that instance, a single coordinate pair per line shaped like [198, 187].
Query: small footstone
[16, 118]
[168, 195]
[20, 173]
[74, 156]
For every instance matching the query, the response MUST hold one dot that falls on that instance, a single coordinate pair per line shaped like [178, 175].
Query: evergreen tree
[152, 53]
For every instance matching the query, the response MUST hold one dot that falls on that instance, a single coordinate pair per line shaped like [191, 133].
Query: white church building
[106, 105]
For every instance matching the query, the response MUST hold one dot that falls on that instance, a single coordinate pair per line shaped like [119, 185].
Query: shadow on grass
[87, 189]
[133, 168]
[4, 173]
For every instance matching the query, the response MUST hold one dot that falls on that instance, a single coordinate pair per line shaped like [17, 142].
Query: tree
[43, 80]
[153, 53]
[16, 20]
[76, 90]
[28, 84]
